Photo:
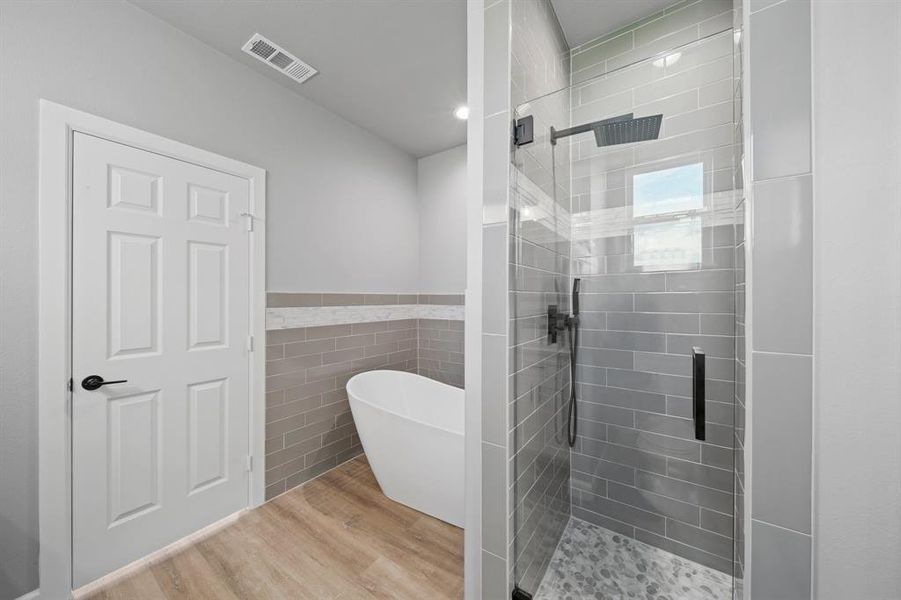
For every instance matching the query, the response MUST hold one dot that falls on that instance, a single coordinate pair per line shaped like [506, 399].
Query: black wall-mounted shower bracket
[558, 321]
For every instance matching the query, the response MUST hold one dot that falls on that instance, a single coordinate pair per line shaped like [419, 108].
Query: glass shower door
[645, 220]
[540, 266]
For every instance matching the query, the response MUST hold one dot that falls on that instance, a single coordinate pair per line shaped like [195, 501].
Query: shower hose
[573, 351]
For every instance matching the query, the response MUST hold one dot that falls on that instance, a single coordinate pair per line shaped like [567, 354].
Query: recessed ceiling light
[462, 112]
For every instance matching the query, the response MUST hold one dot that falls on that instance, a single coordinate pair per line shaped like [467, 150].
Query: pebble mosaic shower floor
[595, 563]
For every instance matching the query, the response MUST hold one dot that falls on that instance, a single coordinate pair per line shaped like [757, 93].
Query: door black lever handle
[95, 382]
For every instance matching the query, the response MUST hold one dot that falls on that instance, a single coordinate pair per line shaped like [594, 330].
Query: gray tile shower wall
[780, 356]
[681, 23]
[309, 427]
[539, 231]
[636, 467]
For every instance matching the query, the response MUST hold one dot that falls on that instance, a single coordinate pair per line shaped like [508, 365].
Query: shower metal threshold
[519, 594]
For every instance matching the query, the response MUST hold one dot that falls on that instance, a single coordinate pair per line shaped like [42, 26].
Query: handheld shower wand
[577, 283]
[573, 353]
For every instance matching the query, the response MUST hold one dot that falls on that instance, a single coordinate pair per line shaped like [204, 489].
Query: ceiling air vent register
[278, 58]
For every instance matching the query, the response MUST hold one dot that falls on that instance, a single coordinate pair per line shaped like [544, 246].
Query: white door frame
[57, 126]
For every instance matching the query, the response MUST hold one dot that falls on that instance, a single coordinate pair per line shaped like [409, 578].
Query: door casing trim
[57, 126]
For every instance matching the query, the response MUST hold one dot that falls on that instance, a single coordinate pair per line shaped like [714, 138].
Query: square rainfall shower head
[612, 132]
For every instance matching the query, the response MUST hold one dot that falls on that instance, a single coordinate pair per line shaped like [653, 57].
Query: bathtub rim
[358, 398]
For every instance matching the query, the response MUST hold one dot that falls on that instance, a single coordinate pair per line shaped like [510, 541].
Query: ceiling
[394, 67]
[585, 20]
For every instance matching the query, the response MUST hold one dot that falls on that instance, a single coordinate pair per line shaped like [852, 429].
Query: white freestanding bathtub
[411, 428]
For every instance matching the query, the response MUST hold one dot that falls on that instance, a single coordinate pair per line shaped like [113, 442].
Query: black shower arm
[556, 135]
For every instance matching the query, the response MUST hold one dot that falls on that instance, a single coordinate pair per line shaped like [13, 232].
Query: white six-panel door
[161, 298]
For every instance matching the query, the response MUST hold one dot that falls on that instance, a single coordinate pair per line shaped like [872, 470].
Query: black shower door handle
[698, 397]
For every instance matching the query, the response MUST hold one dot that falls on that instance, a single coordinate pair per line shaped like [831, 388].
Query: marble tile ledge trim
[289, 310]
[292, 299]
[311, 316]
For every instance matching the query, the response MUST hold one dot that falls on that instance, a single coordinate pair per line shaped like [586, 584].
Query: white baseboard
[32, 595]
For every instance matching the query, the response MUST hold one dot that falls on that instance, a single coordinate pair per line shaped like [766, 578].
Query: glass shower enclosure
[645, 220]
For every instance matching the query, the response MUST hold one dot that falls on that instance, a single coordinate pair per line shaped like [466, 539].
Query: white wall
[343, 209]
[472, 352]
[442, 222]
[857, 257]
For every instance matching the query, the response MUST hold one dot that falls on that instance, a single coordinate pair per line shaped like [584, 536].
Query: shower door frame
[735, 188]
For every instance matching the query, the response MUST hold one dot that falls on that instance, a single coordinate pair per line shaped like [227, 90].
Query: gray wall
[636, 467]
[439, 354]
[857, 275]
[777, 451]
[309, 426]
[330, 186]
[442, 222]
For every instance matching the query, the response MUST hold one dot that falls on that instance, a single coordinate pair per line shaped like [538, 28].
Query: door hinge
[249, 218]
[250, 343]
[523, 131]
[70, 384]
[249, 464]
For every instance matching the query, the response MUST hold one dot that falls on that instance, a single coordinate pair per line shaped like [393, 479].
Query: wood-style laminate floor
[336, 537]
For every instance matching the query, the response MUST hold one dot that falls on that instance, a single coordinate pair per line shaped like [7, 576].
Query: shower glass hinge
[249, 464]
[523, 131]
[519, 594]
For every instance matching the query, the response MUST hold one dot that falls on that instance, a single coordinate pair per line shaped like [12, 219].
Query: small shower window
[667, 227]
[678, 189]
